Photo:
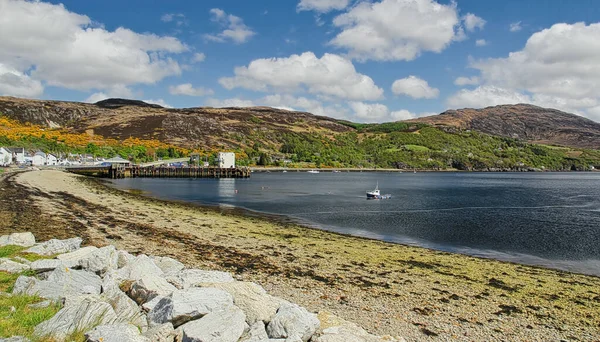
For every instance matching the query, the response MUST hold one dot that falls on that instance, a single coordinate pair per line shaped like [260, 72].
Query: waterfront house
[18, 154]
[5, 156]
[117, 161]
[38, 158]
[51, 159]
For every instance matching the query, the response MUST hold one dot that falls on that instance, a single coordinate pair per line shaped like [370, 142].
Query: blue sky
[367, 61]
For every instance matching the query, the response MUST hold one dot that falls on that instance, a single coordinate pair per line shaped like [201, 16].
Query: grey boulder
[45, 265]
[149, 286]
[185, 279]
[54, 246]
[183, 306]
[61, 283]
[18, 239]
[167, 264]
[226, 325]
[10, 266]
[77, 255]
[293, 321]
[100, 260]
[122, 332]
[79, 314]
[162, 333]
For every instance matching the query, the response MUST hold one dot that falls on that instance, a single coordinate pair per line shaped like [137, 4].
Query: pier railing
[116, 172]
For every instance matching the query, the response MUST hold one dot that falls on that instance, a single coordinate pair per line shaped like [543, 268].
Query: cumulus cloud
[414, 87]
[198, 57]
[393, 30]
[116, 91]
[65, 49]
[189, 90]
[377, 112]
[480, 42]
[556, 68]
[159, 102]
[463, 81]
[234, 28]
[233, 102]
[322, 6]
[515, 27]
[16, 83]
[330, 75]
[473, 22]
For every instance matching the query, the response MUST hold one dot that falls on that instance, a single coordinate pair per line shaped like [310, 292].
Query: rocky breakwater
[111, 295]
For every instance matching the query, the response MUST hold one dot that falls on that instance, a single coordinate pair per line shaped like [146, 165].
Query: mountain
[526, 122]
[493, 138]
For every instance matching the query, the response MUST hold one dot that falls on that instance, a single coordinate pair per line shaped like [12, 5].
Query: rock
[161, 333]
[126, 309]
[124, 258]
[148, 287]
[226, 325]
[149, 306]
[256, 333]
[22, 260]
[45, 265]
[185, 279]
[18, 239]
[167, 264]
[54, 246]
[115, 333]
[77, 255]
[15, 339]
[292, 320]
[10, 266]
[40, 305]
[61, 283]
[100, 260]
[254, 301]
[335, 329]
[140, 267]
[183, 306]
[23, 284]
[80, 314]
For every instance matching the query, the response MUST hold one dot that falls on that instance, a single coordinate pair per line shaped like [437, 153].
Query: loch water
[544, 219]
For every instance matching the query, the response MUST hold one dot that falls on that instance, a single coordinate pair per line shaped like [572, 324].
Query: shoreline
[393, 289]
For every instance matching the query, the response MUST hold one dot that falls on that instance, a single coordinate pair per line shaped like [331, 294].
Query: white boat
[313, 171]
[335, 171]
[374, 193]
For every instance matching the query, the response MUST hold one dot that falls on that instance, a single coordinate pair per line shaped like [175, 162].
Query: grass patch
[7, 280]
[14, 251]
[416, 148]
[23, 320]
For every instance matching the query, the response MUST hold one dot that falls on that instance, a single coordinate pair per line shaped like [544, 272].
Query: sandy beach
[389, 289]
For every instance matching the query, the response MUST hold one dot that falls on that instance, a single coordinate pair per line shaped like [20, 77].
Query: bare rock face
[226, 325]
[54, 246]
[183, 306]
[18, 239]
[293, 321]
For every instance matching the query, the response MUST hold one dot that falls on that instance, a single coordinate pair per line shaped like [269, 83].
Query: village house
[5, 156]
[18, 154]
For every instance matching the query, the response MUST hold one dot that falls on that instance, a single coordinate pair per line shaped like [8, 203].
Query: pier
[116, 172]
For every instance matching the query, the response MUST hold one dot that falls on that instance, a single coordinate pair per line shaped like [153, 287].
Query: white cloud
[234, 28]
[159, 102]
[233, 102]
[169, 17]
[117, 91]
[322, 6]
[515, 27]
[414, 87]
[65, 49]
[485, 96]
[198, 57]
[473, 22]
[392, 30]
[480, 42]
[16, 83]
[462, 81]
[330, 75]
[377, 112]
[189, 90]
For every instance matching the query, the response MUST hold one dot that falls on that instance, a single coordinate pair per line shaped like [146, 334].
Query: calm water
[548, 219]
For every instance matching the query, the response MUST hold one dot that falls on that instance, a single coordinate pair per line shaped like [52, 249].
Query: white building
[5, 157]
[18, 154]
[226, 160]
[38, 158]
[51, 159]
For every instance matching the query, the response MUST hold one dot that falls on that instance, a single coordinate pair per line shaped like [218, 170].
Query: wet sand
[387, 288]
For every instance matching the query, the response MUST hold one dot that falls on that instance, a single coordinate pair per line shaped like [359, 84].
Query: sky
[359, 60]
